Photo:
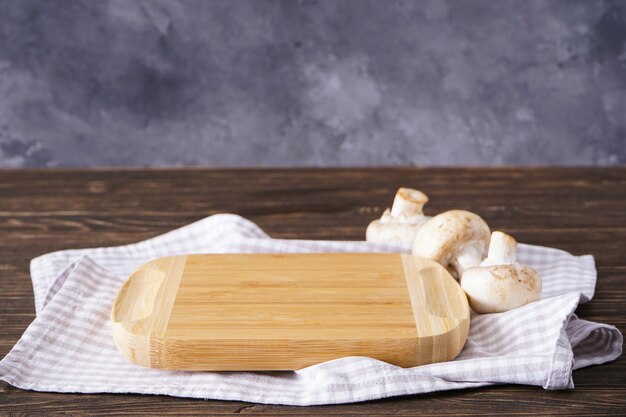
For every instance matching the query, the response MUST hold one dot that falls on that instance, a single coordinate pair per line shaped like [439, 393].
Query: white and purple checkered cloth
[69, 348]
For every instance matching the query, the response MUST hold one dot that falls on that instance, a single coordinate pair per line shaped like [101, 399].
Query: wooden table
[579, 210]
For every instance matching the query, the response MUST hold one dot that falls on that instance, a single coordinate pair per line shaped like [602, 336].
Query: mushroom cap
[457, 239]
[499, 288]
[383, 231]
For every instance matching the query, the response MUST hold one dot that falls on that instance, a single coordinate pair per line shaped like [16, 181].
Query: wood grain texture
[283, 312]
[142, 308]
[578, 210]
[439, 309]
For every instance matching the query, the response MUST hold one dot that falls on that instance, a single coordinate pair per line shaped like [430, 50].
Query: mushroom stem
[408, 202]
[468, 258]
[502, 249]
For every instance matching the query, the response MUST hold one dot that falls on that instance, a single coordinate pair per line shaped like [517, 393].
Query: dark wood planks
[579, 210]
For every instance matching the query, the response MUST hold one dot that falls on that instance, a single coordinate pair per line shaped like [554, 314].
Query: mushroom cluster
[485, 263]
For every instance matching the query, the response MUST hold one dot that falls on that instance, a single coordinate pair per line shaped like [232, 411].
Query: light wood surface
[142, 308]
[288, 311]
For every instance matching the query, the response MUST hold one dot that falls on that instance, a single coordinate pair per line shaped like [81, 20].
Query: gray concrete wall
[312, 83]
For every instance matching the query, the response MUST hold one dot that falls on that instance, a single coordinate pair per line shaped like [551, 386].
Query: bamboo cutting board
[288, 311]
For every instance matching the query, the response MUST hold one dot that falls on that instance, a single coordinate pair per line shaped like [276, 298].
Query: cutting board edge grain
[144, 304]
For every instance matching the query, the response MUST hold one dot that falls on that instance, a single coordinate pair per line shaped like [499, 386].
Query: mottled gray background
[315, 83]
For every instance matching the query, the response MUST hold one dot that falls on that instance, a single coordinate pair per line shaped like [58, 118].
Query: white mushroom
[500, 283]
[401, 223]
[457, 239]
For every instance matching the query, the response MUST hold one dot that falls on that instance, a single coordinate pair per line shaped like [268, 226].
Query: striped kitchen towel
[68, 347]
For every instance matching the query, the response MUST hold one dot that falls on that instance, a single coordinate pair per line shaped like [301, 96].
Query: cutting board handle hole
[135, 300]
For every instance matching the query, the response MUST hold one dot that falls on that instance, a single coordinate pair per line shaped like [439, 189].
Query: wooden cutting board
[288, 311]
